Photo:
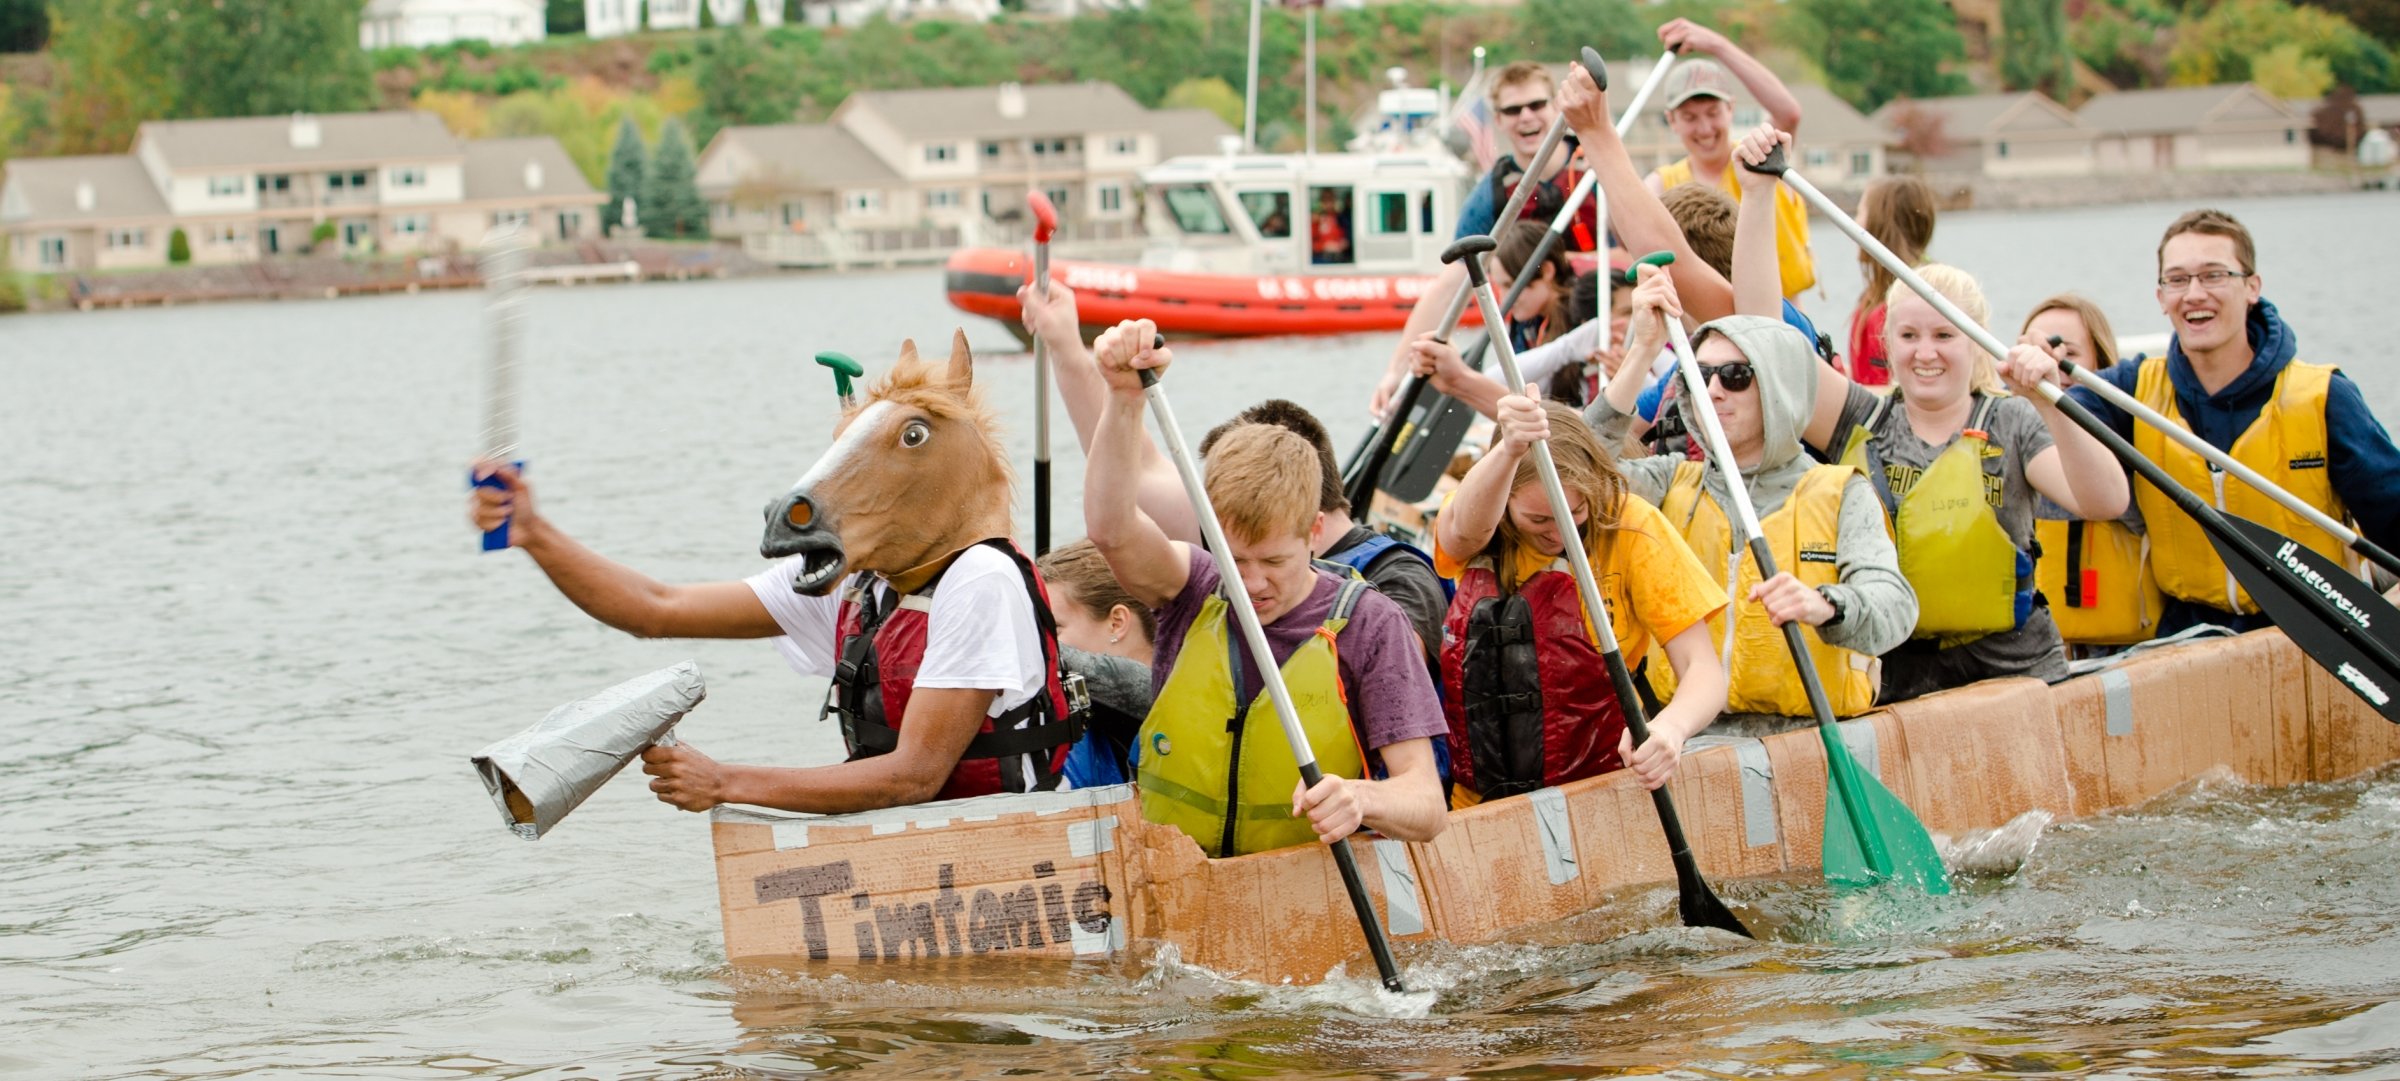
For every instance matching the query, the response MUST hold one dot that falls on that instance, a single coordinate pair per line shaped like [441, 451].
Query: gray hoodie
[1879, 609]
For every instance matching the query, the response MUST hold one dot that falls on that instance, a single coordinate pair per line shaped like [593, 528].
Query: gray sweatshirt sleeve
[1879, 609]
[1604, 419]
[1648, 478]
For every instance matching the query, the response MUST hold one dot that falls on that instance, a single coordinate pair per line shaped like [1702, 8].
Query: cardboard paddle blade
[2336, 619]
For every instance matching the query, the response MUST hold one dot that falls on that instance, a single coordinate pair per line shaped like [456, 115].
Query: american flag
[1473, 119]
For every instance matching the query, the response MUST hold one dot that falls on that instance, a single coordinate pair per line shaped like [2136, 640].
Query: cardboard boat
[1006, 882]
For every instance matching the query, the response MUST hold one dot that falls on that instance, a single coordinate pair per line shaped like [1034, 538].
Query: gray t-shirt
[1917, 667]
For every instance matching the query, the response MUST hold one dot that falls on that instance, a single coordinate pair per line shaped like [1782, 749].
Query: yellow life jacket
[1952, 549]
[1802, 533]
[1195, 763]
[1792, 255]
[2286, 445]
[2097, 577]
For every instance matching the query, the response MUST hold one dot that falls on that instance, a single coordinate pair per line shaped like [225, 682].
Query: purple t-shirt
[1383, 667]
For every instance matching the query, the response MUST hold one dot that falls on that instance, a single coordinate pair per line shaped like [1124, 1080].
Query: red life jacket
[1529, 696]
[1022, 750]
[1583, 233]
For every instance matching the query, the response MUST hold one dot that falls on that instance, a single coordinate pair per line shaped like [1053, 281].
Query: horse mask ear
[908, 350]
[962, 363]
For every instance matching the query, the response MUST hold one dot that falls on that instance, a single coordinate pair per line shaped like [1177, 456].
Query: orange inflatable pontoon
[984, 281]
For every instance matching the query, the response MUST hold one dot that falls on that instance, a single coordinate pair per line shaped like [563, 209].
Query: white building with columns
[419, 24]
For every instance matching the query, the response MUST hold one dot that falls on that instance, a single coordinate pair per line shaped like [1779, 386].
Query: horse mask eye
[915, 434]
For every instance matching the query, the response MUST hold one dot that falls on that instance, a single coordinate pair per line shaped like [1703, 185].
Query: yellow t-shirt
[1792, 256]
[1654, 586]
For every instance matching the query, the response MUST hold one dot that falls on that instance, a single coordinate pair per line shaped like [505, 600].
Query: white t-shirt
[980, 635]
[1541, 361]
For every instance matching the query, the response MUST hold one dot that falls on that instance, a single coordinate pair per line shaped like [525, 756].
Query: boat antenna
[1250, 87]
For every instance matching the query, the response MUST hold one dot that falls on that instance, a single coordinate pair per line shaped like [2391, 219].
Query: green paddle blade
[1870, 836]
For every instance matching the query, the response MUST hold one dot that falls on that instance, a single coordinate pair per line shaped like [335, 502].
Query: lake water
[247, 644]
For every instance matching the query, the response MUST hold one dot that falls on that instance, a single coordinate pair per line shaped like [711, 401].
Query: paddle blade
[1699, 907]
[2335, 618]
[1870, 836]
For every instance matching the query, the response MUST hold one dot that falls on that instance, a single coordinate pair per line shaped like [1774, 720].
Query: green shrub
[179, 248]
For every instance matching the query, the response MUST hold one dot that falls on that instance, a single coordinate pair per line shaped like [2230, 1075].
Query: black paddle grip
[1773, 166]
[1598, 67]
[1464, 248]
[1150, 378]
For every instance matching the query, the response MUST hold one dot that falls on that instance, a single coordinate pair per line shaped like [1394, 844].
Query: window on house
[941, 198]
[53, 251]
[794, 213]
[408, 176]
[1058, 146]
[1124, 145]
[936, 153]
[225, 234]
[1040, 147]
[1058, 198]
[991, 150]
[512, 217]
[864, 202]
[221, 186]
[2291, 135]
[121, 239]
[570, 222]
[277, 183]
[409, 225]
[1818, 157]
[1862, 162]
[2003, 148]
[1111, 198]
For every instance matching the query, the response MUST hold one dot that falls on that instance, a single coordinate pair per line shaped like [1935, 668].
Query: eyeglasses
[1735, 377]
[2212, 279]
[1537, 105]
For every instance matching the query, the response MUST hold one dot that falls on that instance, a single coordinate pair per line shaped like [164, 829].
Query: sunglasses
[1537, 105]
[1735, 377]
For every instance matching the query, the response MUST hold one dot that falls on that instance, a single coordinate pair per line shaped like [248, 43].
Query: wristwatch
[1838, 611]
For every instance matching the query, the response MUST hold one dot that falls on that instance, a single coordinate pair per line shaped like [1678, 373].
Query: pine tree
[626, 163]
[671, 205]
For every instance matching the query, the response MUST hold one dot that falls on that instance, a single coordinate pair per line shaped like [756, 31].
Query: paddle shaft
[1854, 803]
[1229, 580]
[2191, 440]
[1687, 868]
[504, 279]
[1041, 410]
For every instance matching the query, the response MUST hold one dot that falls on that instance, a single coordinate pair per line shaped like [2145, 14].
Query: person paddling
[1699, 109]
[1107, 638]
[1838, 572]
[2095, 575]
[1345, 651]
[2232, 374]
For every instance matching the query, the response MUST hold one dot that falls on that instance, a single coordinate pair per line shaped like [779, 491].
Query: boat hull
[984, 281]
[999, 882]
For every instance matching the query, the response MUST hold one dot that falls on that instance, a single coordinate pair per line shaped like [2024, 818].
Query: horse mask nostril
[801, 514]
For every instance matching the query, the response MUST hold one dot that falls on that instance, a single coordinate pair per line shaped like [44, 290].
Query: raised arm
[1149, 564]
[1054, 322]
[1423, 319]
[1654, 302]
[612, 592]
[1466, 525]
[1782, 109]
[2076, 472]
[1642, 222]
[1757, 269]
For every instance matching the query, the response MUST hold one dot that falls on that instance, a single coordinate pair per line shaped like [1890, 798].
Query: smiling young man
[2231, 374]
[1699, 109]
[1521, 103]
[1212, 757]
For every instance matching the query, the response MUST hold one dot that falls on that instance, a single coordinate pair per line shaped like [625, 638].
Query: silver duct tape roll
[539, 775]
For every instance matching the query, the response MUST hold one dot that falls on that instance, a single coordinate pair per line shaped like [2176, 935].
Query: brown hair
[1518, 71]
[2095, 324]
[1586, 468]
[1083, 571]
[1517, 247]
[1899, 211]
[1288, 414]
[1264, 481]
[1706, 217]
[2213, 223]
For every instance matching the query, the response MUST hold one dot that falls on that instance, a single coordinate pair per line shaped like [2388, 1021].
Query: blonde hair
[1083, 571]
[1586, 468]
[2095, 325]
[1264, 481]
[1960, 288]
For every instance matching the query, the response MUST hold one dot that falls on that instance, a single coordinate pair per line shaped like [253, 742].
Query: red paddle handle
[1045, 216]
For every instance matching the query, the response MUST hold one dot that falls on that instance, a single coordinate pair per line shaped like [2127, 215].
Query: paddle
[1369, 472]
[1212, 536]
[2109, 393]
[1045, 223]
[1697, 903]
[504, 314]
[2328, 613]
[1425, 446]
[1870, 835]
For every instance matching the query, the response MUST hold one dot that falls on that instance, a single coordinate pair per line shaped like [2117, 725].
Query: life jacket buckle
[1079, 696]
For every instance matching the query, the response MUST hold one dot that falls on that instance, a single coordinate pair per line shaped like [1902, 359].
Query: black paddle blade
[2335, 618]
[1700, 908]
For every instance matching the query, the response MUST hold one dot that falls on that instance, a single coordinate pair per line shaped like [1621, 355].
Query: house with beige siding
[243, 189]
[2189, 128]
[2001, 136]
[898, 176]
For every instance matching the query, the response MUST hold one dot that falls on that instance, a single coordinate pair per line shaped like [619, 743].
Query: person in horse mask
[1212, 757]
[1520, 98]
[2232, 374]
[1838, 572]
[1107, 638]
[942, 692]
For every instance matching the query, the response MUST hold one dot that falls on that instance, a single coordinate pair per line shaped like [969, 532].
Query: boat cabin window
[1390, 214]
[1271, 211]
[1330, 226]
[1195, 208]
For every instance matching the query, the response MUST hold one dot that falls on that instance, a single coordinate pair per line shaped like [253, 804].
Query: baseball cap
[1697, 78]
